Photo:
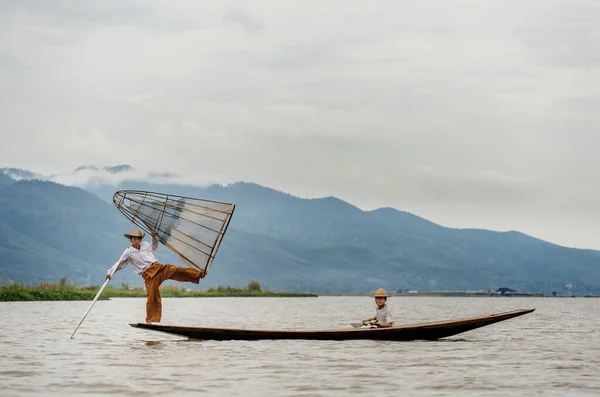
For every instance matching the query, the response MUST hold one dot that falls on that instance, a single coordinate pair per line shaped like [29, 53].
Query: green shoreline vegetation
[63, 291]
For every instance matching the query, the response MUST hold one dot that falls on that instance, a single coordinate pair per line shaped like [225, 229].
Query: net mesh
[192, 228]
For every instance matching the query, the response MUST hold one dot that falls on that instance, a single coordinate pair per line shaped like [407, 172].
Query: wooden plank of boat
[424, 331]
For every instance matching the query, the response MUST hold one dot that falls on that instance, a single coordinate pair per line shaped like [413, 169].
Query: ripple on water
[530, 355]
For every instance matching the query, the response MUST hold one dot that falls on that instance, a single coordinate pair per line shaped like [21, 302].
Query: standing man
[384, 317]
[141, 257]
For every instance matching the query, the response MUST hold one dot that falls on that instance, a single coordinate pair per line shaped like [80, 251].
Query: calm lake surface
[554, 351]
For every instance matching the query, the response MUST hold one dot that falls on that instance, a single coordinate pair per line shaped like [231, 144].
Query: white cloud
[471, 113]
[91, 175]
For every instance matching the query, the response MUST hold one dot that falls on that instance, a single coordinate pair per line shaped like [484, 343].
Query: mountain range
[50, 230]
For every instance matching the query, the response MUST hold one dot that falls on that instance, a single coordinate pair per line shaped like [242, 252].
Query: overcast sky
[480, 113]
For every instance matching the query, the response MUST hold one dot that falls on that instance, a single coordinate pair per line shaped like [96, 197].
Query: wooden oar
[90, 308]
[358, 325]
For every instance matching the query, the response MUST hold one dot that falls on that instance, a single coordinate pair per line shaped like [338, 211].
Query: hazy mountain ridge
[285, 242]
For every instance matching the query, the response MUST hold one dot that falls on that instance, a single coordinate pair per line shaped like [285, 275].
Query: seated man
[383, 314]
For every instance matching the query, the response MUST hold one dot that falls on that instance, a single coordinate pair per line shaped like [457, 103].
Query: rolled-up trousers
[154, 276]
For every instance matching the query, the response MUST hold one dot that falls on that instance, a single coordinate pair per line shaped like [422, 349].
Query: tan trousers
[157, 274]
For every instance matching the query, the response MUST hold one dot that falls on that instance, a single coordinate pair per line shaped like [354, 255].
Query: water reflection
[553, 349]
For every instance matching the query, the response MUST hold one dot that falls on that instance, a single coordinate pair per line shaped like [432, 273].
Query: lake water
[554, 351]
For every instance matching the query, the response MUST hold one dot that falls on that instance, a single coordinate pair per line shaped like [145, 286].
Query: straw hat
[135, 233]
[380, 293]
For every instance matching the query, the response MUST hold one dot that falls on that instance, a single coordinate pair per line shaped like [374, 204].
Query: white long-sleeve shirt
[140, 259]
[385, 314]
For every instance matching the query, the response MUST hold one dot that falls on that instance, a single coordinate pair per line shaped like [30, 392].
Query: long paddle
[94, 301]
[359, 325]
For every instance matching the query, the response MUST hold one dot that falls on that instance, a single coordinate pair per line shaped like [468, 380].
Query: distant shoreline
[474, 293]
[479, 294]
[63, 291]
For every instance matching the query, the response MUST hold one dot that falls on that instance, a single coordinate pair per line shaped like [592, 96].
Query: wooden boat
[424, 331]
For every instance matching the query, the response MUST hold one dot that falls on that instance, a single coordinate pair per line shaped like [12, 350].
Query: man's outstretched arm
[154, 241]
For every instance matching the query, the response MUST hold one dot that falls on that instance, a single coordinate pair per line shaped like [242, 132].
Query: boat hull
[425, 331]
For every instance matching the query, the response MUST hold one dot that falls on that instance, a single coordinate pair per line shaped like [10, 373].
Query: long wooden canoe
[424, 331]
